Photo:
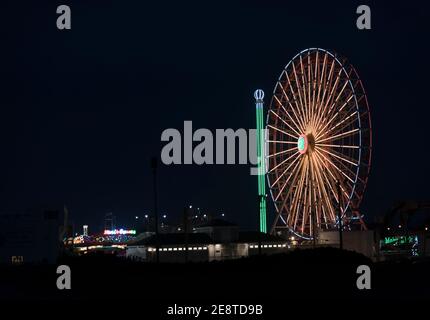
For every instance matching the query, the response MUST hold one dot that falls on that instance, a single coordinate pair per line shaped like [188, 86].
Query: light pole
[154, 163]
[339, 212]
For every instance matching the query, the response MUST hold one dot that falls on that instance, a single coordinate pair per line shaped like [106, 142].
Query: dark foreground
[321, 276]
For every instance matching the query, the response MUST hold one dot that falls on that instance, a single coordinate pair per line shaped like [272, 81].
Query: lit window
[17, 259]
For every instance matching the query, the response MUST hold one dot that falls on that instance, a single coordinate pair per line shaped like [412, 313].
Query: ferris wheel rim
[366, 112]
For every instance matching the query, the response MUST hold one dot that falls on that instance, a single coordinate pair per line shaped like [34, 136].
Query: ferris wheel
[319, 142]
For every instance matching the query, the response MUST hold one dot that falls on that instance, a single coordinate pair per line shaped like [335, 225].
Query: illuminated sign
[399, 240]
[118, 231]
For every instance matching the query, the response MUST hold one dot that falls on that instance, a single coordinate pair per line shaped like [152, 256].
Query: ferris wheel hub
[305, 143]
[302, 144]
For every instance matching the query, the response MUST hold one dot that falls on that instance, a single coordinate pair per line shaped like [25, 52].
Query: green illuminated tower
[259, 96]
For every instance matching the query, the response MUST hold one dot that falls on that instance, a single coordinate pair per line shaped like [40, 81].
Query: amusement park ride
[317, 146]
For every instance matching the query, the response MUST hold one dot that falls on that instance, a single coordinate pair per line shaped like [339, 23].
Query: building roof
[252, 236]
[174, 239]
[217, 223]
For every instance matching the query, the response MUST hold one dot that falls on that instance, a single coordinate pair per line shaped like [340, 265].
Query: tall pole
[186, 232]
[339, 212]
[261, 159]
[259, 231]
[154, 163]
[313, 212]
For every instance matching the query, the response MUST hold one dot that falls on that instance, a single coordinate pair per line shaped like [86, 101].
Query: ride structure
[319, 145]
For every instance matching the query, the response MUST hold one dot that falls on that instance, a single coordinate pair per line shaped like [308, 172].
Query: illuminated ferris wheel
[319, 143]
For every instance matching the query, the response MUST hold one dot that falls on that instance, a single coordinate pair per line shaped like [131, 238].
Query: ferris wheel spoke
[326, 123]
[335, 146]
[333, 166]
[329, 98]
[324, 67]
[328, 186]
[310, 82]
[348, 119]
[306, 206]
[322, 186]
[321, 81]
[315, 189]
[327, 87]
[337, 156]
[282, 142]
[325, 103]
[285, 160]
[337, 168]
[289, 166]
[322, 131]
[298, 91]
[287, 124]
[287, 113]
[347, 168]
[326, 84]
[314, 81]
[303, 85]
[338, 95]
[282, 152]
[300, 163]
[341, 135]
[302, 200]
[348, 123]
[320, 75]
[284, 132]
[295, 185]
[297, 199]
[299, 117]
[335, 177]
[312, 214]
[345, 159]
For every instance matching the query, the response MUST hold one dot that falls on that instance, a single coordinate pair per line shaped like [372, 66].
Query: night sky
[82, 111]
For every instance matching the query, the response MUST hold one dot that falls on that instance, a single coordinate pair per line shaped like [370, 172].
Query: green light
[301, 143]
[399, 240]
[261, 167]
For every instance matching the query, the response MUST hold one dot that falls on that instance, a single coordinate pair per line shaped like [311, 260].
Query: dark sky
[82, 111]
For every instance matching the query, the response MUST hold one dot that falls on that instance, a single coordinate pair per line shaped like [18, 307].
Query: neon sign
[399, 240]
[118, 231]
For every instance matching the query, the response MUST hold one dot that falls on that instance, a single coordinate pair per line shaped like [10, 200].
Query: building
[214, 241]
[30, 237]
